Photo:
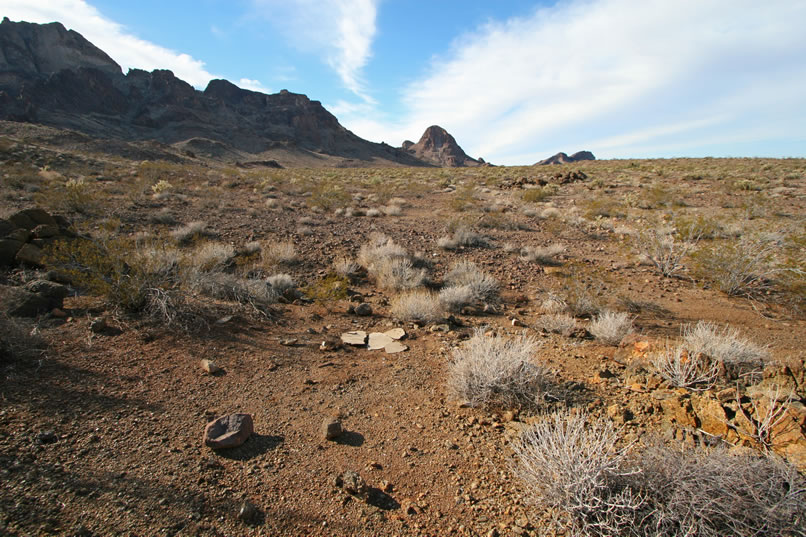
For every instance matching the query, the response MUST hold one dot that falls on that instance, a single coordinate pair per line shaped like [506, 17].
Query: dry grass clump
[390, 264]
[725, 344]
[222, 285]
[467, 274]
[211, 256]
[557, 323]
[19, 339]
[346, 267]
[417, 306]
[392, 210]
[278, 253]
[572, 466]
[610, 326]
[163, 216]
[494, 372]
[462, 237]
[190, 232]
[543, 255]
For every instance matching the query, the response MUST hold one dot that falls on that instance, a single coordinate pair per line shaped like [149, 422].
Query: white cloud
[254, 85]
[614, 75]
[340, 31]
[126, 49]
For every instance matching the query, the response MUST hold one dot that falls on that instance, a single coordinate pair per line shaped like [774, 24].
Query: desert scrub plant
[571, 465]
[663, 250]
[257, 294]
[557, 323]
[496, 372]
[347, 267]
[278, 253]
[744, 267]
[330, 288]
[190, 232]
[610, 327]
[543, 255]
[74, 195]
[419, 306]
[211, 257]
[467, 274]
[462, 236]
[738, 355]
[684, 369]
[19, 339]
[397, 273]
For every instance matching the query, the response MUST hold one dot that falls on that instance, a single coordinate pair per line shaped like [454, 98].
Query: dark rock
[363, 310]
[249, 514]
[21, 220]
[8, 251]
[30, 255]
[20, 235]
[39, 217]
[331, 428]
[6, 227]
[98, 325]
[45, 231]
[228, 431]
[352, 483]
[46, 437]
[54, 292]
[17, 302]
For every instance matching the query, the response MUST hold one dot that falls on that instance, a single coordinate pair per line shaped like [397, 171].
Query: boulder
[30, 255]
[363, 310]
[54, 292]
[6, 227]
[8, 251]
[45, 231]
[678, 410]
[228, 431]
[18, 302]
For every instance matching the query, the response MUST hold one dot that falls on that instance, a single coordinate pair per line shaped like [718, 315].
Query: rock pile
[24, 234]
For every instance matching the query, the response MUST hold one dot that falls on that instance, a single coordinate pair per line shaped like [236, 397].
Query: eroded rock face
[438, 147]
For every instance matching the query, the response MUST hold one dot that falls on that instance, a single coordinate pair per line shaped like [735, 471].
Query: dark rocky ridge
[55, 77]
[438, 147]
[562, 158]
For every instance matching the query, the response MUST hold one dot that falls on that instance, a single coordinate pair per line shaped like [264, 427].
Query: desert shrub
[378, 248]
[164, 217]
[742, 267]
[278, 253]
[557, 323]
[725, 344]
[572, 466]
[418, 306]
[453, 299]
[581, 298]
[550, 212]
[397, 273]
[467, 274]
[75, 195]
[663, 250]
[610, 327]
[281, 283]
[211, 256]
[462, 236]
[190, 232]
[331, 287]
[347, 268]
[685, 369]
[161, 186]
[255, 293]
[543, 255]
[393, 210]
[553, 303]
[534, 195]
[495, 372]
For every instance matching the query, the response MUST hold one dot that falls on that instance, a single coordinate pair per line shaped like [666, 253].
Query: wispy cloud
[339, 31]
[616, 75]
[253, 85]
[125, 48]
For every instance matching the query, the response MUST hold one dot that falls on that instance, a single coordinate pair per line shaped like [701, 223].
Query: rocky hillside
[438, 147]
[55, 77]
[562, 158]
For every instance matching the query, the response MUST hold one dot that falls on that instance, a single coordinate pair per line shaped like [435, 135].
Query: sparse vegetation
[418, 306]
[610, 327]
[738, 355]
[462, 237]
[685, 369]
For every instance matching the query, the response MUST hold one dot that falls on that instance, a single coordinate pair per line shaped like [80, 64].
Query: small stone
[352, 483]
[47, 437]
[228, 431]
[396, 333]
[331, 428]
[363, 310]
[248, 513]
[98, 325]
[329, 344]
[378, 341]
[210, 367]
[357, 338]
[290, 342]
[386, 486]
[394, 347]
[517, 322]
[440, 328]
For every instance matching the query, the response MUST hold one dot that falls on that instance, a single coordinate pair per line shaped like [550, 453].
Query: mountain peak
[437, 146]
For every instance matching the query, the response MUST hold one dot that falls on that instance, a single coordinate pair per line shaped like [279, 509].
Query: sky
[514, 81]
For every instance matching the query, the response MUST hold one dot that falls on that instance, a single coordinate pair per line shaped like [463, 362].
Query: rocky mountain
[438, 147]
[55, 77]
[562, 158]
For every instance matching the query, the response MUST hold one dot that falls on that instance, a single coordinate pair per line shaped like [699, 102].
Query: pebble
[363, 310]
[210, 367]
[248, 513]
[331, 428]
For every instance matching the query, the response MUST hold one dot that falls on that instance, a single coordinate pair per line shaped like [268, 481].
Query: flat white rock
[378, 341]
[396, 333]
[395, 347]
[356, 337]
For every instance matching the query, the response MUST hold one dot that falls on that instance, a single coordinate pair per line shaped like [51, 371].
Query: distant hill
[55, 77]
[562, 158]
[438, 147]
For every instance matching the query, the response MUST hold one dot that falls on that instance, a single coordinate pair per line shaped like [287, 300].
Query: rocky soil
[102, 432]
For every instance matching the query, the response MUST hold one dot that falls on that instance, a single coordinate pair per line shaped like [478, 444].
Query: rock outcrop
[55, 77]
[438, 147]
[562, 158]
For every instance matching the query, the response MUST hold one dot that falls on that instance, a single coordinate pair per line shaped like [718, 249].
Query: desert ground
[601, 270]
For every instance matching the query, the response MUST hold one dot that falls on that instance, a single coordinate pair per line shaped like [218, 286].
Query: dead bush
[557, 323]
[494, 372]
[685, 369]
[745, 267]
[19, 339]
[190, 232]
[663, 250]
[610, 327]
[467, 274]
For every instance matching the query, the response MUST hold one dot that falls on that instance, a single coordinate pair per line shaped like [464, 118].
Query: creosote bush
[610, 327]
[573, 465]
[725, 344]
[664, 250]
[745, 267]
[496, 372]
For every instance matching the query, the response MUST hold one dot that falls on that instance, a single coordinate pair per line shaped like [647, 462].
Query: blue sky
[513, 80]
